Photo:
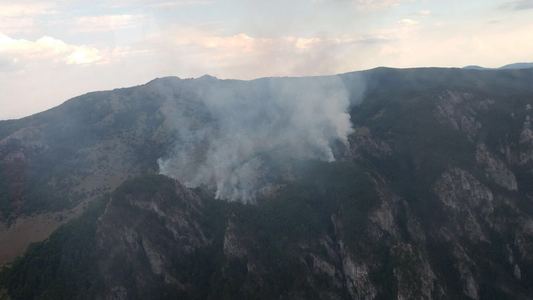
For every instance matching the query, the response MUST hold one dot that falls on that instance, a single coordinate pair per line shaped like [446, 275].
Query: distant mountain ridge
[515, 66]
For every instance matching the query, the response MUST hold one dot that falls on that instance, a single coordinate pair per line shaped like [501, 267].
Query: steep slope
[337, 232]
[52, 164]
[431, 200]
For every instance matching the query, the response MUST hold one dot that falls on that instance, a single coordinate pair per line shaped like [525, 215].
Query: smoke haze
[226, 131]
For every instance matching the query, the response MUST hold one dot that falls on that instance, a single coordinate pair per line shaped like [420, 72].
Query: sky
[51, 51]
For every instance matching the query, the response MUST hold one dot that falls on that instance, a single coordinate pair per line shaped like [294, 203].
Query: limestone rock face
[496, 169]
[453, 109]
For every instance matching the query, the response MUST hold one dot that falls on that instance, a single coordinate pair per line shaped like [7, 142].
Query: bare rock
[495, 168]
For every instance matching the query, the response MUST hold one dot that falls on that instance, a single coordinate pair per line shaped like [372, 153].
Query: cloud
[107, 22]
[166, 4]
[7, 64]
[196, 51]
[408, 22]
[16, 24]
[368, 4]
[375, 40]
[518, 5]
[25, 9]
[19, 17]
[48, 48]
[438, 47]
[162, 4]
[378, 3]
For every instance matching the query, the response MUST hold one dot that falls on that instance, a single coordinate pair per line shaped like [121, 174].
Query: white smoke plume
[225, 129]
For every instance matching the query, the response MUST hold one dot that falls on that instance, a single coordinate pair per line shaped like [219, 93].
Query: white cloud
[166, 4]
[244, 56]
[7, 64]
[25, 9]
[82, 55]
[49, 49]
[16, 24]
[378, 3]
[19, 17]
[408, 22]
[158, 3]
[107, 22]
[368, 4]
[443, 46]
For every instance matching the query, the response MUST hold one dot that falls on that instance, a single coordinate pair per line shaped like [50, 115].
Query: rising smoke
[226, 131]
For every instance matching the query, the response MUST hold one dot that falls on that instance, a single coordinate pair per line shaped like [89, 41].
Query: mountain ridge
[173, 77]
[513, 66]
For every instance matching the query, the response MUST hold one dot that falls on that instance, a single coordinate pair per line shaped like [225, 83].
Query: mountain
[474, 67]
[429, 198]
[517, 66]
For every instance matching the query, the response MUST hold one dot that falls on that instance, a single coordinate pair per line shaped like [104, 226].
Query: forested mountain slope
[430, 198]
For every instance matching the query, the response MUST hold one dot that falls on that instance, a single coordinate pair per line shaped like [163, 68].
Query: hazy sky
[53, 50]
